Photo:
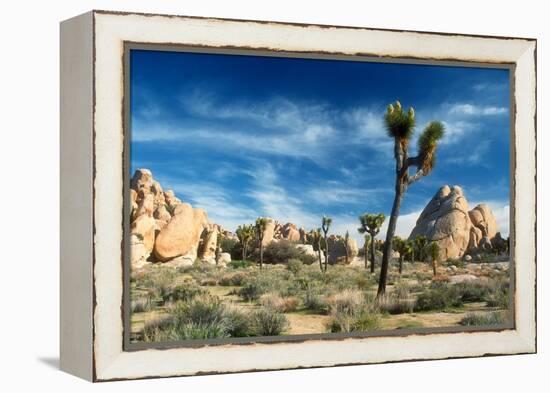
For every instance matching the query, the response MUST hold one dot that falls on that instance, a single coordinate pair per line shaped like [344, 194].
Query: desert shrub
[233, 278]
[209, 281]
[239, 264]
[402, 290]
[314, 300]
[267, 322]
[281, 252]
[392, 304]
[278, 303]
[308, 259]
[294, 265]
[473, 291]
[238, 322]
[350, 312]
[183, 292]
[498, 296]
[482, 319]
[342, 277]
[158, 329]
[439, 297]
[253, 289]
[141, 304]
[343, 323]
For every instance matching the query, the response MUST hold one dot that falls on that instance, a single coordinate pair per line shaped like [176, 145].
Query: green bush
[393, 304]
[483, 319]
[141, 304]
[440, 297]
[268, 322]
[283, 251]
[253, 289]
[238, 264]
[238, 322]
[473, 291]
[233, 278]
[184, 292]
[295, 265]
[313, 300]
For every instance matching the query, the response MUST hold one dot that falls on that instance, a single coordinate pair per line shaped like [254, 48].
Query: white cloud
[476, 156]
[474, 110]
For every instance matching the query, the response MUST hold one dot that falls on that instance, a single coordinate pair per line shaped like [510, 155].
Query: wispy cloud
[476, 110]
[478, 155]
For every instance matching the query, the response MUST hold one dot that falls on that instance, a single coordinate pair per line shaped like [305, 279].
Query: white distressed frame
[111, 30]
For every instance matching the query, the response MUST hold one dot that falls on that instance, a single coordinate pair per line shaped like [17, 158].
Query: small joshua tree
[400, 127]
[245, 234]
[325, 226]
[433, 252]
[316, 239]
[403, 247]
[261, 226]
[371, 223]
[345, 242]
[420, 243]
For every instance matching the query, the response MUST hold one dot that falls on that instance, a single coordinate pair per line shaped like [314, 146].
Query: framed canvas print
[245, 195]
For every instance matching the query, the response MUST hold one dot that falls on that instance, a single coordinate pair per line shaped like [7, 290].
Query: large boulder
[337, 251]
[482, 217]
[290, 232]
[447, 220]
[209, 244]
[182, 234]
[269, 232]
[143, 228]
[138, 252]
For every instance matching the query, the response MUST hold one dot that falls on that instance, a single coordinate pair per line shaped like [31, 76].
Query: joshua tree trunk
[434, 266]
[372, 253]
[366, 251]
[244, 252]
[389, 236]
[401, 264]
[320, 259]
[326, 254]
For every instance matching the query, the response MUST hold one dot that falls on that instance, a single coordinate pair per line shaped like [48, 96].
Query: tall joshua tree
[433, 252]
[325, 226]
[316, 239]
[245, 234]
[365, 249]
[371, 223]
[400, 126]
[261, 226]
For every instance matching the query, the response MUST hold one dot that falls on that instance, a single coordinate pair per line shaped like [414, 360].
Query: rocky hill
[458, 231]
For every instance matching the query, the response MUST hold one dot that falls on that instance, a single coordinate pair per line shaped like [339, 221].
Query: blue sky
[293, 139]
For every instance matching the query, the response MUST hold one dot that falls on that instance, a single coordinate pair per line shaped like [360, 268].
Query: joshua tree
[316, 238]
[365, 249]
[400, 126]
[420, 243]
[433, 252]
[261, 225]
[245, 234]
[403, 247]
[371, 223]
[345, 243]
[325, 225]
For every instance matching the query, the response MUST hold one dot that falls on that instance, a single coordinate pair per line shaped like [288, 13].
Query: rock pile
[165, 229]
[458, 231]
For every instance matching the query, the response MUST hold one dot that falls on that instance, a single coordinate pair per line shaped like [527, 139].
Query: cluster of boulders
[163, 229]
[458, 231]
